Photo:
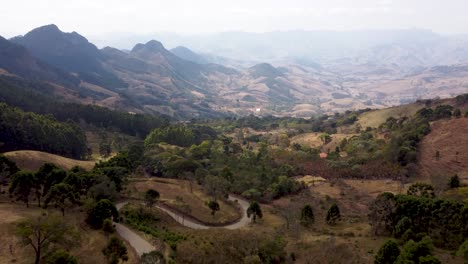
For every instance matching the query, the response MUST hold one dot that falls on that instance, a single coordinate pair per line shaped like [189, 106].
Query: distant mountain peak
[152, 46]
[264, 70]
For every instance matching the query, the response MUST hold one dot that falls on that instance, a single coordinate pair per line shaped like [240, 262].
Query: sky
[95, 17]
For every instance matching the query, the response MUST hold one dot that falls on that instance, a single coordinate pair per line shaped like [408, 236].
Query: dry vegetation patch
[449, 138]
[377, 117]
[33, 160]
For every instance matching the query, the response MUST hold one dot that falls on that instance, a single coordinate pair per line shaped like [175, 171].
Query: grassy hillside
[32, 160]
[449, 138]
[377, 117]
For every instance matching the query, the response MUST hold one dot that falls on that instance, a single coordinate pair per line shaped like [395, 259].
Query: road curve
[243, 221]
[142, 246]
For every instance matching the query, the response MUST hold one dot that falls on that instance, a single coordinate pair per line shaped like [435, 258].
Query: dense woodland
[26, 130]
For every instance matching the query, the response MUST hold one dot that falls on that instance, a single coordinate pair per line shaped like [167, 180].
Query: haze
[93, 18]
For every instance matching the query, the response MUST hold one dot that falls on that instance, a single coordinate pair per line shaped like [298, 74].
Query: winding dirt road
[142, 246]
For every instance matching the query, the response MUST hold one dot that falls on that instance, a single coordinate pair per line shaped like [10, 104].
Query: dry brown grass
[376, 187]
[33, 160]
[377, 117]
[170, 189]
[448, 137]
[89, 250]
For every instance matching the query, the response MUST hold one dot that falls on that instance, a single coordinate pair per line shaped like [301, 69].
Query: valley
[235, 147]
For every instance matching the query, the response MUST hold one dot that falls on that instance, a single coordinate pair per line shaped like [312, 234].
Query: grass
[33, 160]
[173, 189]
[377, 117]
[312, 140]
[89, 250]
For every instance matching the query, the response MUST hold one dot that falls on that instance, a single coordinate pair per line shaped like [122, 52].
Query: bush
[100, 211]
[61, 257]
[388, 253]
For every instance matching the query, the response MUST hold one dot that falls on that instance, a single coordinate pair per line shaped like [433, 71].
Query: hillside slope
[33, 160]
[449, 137]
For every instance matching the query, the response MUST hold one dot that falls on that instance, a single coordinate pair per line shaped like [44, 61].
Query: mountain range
[386, 70]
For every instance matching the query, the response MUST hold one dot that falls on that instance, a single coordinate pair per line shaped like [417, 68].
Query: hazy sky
[93, 17]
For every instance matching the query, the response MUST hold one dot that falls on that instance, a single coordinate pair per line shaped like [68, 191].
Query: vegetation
[25, 130]
[151, 197]
[100, 211]
[443, 220]
[307, 215]
[44, 232]
[255, 211]
[61, 257]
[25, 95]
[333, 214]
[214, 206]
[388, 253]
[115, 251]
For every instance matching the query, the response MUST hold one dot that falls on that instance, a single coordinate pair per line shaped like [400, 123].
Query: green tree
[108, 226]
[463, 251]
[214, 207]
[325, 138]
[61, 257]
[22, 185]
[115, 251]
[7, 169]
[151, 197]
[61, 195]
[417, 252]
[457, 113]
[100, 211]
[422, 190]
[307, 215]
[333, 214]
[454, 182]
[381, 213]
[255, 211]
[43, 232]
[226, 173]
[402, 226]
[388, 253]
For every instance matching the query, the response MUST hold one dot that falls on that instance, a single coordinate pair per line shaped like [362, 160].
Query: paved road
[195, 225]
[142, 246]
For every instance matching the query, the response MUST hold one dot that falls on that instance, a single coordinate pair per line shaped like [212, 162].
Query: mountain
[17, 60]
[264, 70]
[326, 73]
[70, 52]
[187, 54]
[162, 82]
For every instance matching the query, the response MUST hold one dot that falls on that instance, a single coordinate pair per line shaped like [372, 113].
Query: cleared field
[376, 187]
[377, 117]
[449, 137]
[175, 192]
[33, 160]
[88, 251]
[312, 140]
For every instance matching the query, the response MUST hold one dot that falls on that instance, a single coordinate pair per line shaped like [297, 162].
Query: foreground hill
[32, 160]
